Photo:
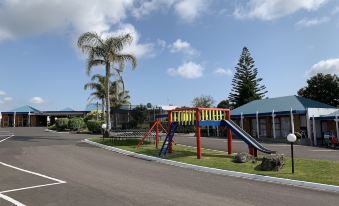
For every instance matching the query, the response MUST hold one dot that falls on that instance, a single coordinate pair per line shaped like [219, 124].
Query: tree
[245, 84]
[203, 101]
[322, 88]
[118, 97]
[98, 85]
[139, 114]
[106, 52]
[224, 104]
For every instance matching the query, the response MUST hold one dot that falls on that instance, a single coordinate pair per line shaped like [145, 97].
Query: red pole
[157, 134]
[170, 149]
[251, 150]
[197, 131]
[229, 135]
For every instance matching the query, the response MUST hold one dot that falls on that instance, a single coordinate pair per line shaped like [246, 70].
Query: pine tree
[245, 84]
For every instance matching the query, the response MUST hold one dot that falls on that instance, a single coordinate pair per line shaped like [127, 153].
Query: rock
[273, 162]
[241, 157]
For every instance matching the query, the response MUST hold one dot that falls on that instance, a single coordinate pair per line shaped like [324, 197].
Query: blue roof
[279, 104]
[25, 109]
[67, 109]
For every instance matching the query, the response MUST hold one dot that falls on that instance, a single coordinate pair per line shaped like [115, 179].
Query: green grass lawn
[320, 171]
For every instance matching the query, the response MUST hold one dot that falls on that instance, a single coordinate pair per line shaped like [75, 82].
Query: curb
[53, 131]
[261, 178]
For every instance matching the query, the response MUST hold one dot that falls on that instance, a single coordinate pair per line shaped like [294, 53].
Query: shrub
[94, 126]
[93, 115]
[76, 124]
[52, 127]
[61, 123]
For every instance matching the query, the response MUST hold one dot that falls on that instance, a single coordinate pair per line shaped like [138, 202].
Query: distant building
[277, 117]
[28, 116]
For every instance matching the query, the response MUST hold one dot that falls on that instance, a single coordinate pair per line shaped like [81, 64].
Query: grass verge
[320, 171]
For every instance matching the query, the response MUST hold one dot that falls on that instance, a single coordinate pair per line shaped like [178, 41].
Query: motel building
[28, 116]
[275, 118]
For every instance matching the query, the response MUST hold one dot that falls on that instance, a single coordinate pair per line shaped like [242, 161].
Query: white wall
[317, 112]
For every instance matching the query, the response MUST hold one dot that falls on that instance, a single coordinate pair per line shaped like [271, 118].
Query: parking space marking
[31, 187]
[6, 138]
[11, 200]
[33, 173]
[15, 202]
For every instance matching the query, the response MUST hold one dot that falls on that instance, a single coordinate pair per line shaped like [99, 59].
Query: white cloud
[273, 9]
[2, 93]
[8, 99]
[329, 66]
[307, 22]
[162, 43]
[335, 10]
[37, 100]
[182, 46]
[187, 10]
[146, 7]
[222, 71]
[21, 17]
[136, 48]
[188, 70]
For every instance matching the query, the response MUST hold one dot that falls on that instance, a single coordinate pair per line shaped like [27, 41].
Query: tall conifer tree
[245, 84]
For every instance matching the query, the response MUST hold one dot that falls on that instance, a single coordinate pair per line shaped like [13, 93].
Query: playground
[166, 143]
[199, 117]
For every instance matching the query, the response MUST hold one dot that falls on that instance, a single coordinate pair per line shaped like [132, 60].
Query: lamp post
[103, 127]
[292, 138]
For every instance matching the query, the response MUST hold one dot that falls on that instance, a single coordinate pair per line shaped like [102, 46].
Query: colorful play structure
[201, 117]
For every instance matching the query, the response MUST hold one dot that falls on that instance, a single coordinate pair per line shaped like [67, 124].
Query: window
[285, 126]
[262, 128]
[277, 124]
[254, 127]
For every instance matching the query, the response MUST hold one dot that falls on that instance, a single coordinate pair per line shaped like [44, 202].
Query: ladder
[168, 140]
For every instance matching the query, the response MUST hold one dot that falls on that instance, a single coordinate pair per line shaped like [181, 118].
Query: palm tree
[119, 97]
[106, 52]
[98, 85]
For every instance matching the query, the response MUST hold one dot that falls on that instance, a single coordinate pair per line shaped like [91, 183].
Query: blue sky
[185, 48]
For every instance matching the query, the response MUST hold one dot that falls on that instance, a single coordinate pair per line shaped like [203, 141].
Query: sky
[185, 48]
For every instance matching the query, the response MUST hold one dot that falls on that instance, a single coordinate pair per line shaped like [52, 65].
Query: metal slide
[248, 139]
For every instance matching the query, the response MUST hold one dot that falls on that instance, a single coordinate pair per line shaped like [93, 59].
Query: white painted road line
[6, 138]
[33, 173]
[11, 200]
[15, 202]
[31, 187]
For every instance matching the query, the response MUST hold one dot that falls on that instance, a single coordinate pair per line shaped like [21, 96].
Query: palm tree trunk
[108, 105]
[103, 109]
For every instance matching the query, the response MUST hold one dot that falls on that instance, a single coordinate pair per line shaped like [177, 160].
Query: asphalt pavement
[67, 171]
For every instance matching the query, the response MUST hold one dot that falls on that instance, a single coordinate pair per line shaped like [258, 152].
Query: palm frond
[89, 40]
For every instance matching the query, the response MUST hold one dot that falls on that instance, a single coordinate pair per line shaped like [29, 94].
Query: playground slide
[248, 139]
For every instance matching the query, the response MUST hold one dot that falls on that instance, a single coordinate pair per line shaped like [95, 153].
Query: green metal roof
[278, 104]
[25, 109]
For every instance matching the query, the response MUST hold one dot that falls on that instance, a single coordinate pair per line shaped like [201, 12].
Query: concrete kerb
[53, 131]
[261, 178]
